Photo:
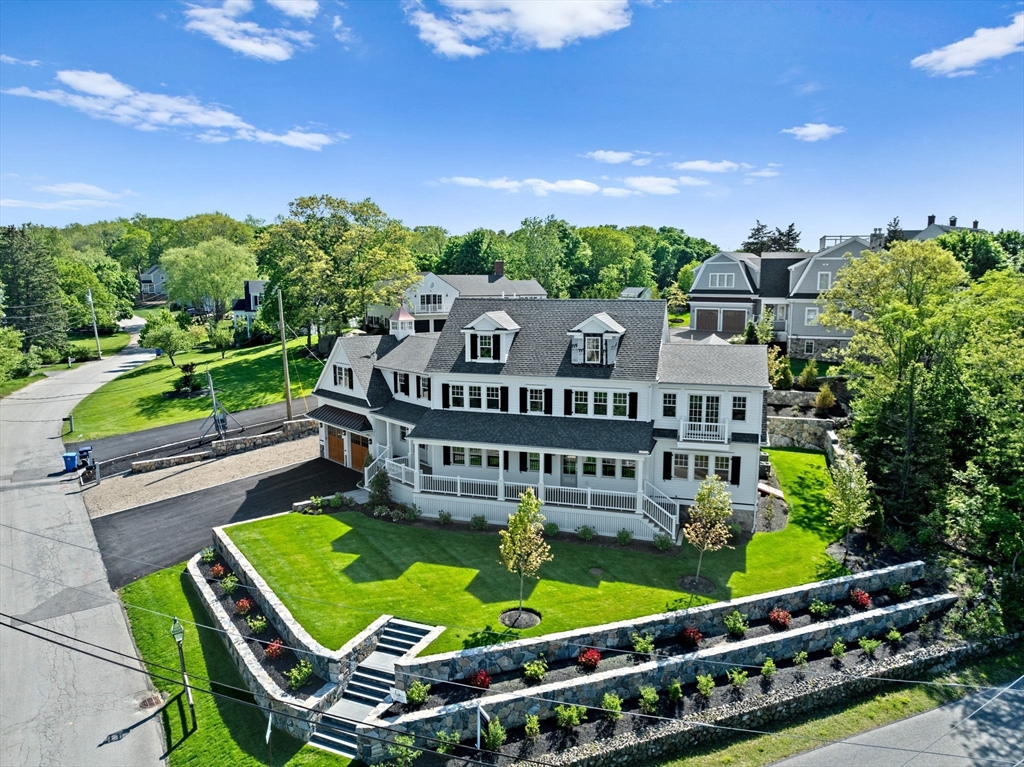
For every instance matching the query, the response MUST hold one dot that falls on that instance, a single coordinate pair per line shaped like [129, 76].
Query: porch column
[501, 475]
[387, 437]
[540, 478]
[348, 450]
[414, 450]
[639, 485]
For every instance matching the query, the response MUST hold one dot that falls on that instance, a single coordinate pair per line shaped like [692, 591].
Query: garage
[733, 321]
[707, 319]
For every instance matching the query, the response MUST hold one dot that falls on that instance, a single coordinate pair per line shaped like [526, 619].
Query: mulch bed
[275, 667]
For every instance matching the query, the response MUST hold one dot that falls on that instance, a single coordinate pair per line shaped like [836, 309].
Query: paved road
[148, 538]
[58, 707]
[993, 736]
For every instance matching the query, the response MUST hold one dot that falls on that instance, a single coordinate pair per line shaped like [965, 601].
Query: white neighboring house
[152, 281]
[585, 401]
[428, 302]
[246, 307]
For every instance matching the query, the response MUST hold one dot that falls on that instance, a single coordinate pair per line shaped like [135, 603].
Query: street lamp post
[178, 632]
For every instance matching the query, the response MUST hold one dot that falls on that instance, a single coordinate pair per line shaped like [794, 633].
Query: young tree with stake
[706, 530]
[849, 496]
[523, 548]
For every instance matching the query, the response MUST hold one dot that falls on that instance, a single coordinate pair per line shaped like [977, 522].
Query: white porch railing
[399, 469]
[373, 468]
[662, 518]
[661, 499]
[703, 432]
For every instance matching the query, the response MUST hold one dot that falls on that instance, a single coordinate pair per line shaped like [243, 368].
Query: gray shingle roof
[489, 285]
[406, 412]
[411, 354]
[576, 434]
[363, 352]
[775, 276]
[543, 348]
[344, 399]
[729, 365]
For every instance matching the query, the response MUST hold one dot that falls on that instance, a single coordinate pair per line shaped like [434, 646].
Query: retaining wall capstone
[567, 644]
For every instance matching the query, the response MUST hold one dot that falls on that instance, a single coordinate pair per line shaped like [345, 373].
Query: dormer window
[595, 341]
[343, 376]
[485, 346]
[592, 350]
[489, 337]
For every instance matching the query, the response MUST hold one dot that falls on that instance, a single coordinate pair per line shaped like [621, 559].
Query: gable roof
[750, 269]
[499, 319]
[601, 318]
[362, 353]
[411, 354]
[718, 365]
[480, 285]
[775, 273]
[543, 347]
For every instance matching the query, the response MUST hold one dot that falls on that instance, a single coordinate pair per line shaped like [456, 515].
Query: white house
[245, 309]
[152, 281]
[586, 401]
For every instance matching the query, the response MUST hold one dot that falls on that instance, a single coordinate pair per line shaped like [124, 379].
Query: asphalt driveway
[140, 541]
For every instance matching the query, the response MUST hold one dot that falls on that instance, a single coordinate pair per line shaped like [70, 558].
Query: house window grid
[431, 301]
[424, 392]
[403, 433]
[592, 350]
[534, 461]
[824, 280]
[722, 280]
[403, 382]
[494, 398]
[808, 347]
[680, 466]
[458, 395]
[590, 466]
[483, 346]
[722, 467]
[493, 459]
[568, 464]
[600, 403]
[459, 456]
[668, 405]
[628, 469]
[811, 315]
[475, 401]
[581, 402]
[476, 456]
[739, 408]
[620, 404]
[700, 467]
[536, 398]
[608, 467]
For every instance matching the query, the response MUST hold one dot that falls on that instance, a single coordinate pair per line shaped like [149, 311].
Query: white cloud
[58, 205]
[641, 161]
[815, 131]
[100, 95]
[808, 88]
[692, 181]
[11, 60]
[79, 190]
[300, 9]
[986, 44]
[706, 166]
[222, 25]
[538, 186]
[653, 184]
[341, 33]
[764, 173]
[618, 191]
[514, 23]
[609, 156]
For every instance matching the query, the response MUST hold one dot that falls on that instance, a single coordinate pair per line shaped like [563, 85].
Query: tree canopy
[209, 274]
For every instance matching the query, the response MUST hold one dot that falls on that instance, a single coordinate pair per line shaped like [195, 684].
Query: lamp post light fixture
[178, 632]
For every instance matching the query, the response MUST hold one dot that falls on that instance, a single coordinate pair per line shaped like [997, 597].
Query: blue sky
[704, 116]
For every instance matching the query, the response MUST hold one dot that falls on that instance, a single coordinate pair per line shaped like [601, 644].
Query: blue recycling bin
[70, 461]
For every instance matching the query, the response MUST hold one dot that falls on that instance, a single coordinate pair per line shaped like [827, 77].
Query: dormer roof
[401, 315]
[495, 320]
[599, 323]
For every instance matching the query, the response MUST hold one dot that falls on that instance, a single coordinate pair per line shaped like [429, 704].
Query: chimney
[877, 241]
[499, 268]
[931, 219]
[975, 224]
[952, 220]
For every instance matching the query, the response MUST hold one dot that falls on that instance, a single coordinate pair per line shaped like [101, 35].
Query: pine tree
[893, 232]
[33, 301]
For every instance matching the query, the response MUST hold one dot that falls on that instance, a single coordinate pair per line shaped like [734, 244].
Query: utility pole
[284, 355]
[95, 332]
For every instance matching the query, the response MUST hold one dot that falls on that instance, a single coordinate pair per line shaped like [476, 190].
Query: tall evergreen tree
[32, 297]
[893, 232]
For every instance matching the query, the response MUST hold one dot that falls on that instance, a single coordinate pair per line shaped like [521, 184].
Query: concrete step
[369, 680]
[397, 632]
[359, 697]
[386, 678]
[391, 649]
[409, 626]
[329, 722]
[367, 691]
[326, 742]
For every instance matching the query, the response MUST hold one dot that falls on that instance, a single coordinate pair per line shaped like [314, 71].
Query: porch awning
[576, 435]
[343, 419]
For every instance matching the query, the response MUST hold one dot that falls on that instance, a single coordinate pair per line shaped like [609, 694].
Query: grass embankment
[246, 378]
[14, 384]
[445, 577]
[84, 344]
[898, 702]
[228, 732]
[824, 368]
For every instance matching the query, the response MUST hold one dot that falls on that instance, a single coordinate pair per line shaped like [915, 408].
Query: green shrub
[643, 644]
[705, 685]
[417, 693]
[737, 677]
[648, 700]
[550, 529]
[800, 659]
[412, 513]
[586, 533]
[495, 735]
[825, 400]
[900, 590]
[257, 623]
[869, 645]
[675, 691]
[898, 540]
[444, 517]
[446, 742]
[229, 583]
[568, 717]
[402, 751]
[820, 610]
[612, 705]
[662, 541]
[808, 376]
[381, 511]
[316, 502]
[532, 728]
[894, 636]
[299, 674]
[336, 500]
[839, 649]
[736, 624]
[396, 513]
[380, 489]
[535, 670]
[769, 669]
[624, 537]
[208, 554]
[478, 522]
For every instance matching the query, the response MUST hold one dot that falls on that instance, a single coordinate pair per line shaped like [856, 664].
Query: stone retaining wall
[155, 464]
[790, 397]
[567, 644]
[513, 708]
[807, 433]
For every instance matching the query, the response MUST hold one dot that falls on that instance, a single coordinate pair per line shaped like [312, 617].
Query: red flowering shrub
[243, 606]
[589, 658]
[479, 679]
[691, 637]
[779, 618]
[274, 650]
[860, 598]
[217, 571]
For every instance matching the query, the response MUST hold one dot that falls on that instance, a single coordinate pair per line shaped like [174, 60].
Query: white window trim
[827, 280]
[809, 341]
[724, 280]
[530, 399]
[811, 315]
[591, 403]
[587, 339]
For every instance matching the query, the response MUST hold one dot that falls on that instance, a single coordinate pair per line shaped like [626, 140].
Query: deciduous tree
[171, 339]
[210, 274]
[706, 530]
[849, 497]
[523, 548]
[977, 251]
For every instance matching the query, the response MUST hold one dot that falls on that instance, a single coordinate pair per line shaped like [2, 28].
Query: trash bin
[70, 461]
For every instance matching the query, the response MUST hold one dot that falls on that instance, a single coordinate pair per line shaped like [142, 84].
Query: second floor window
[474, 397]
[458, 395]
[343, 376]
[600, 403]
[494, 398]
[700, 467]
[824, 280]
[536, 400]
[811, 315]
[722, 467]
[620, 404]
[668, 405]
[680, 465]
[403, 383]
[424, 388]
[484, 347]
[721, 280]
[403, 433]
[581, 402]
[739, 408]
[431, 302]
[592, 350]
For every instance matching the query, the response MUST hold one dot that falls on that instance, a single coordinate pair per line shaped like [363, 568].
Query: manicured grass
[454, 578]
[12, 385]
[86, 342]
[679, 320]
[899, 701]
[228, 732]
[824, 368]
[246, 378]
[146, 312]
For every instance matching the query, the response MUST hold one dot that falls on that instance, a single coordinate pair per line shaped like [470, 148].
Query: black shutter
[634, 399]
[446, 457]
[734, 479]
[549, 405]
[394, 375]
[547, 463]
[419, 387]
[506, 459]
[496, 346]
[666, 466]
[349, 378]
[504, 406]
[567, 404]
[522, 399]
[405, 384]
[444, 396]
[335, 375]
[524, 464]
[472, 346]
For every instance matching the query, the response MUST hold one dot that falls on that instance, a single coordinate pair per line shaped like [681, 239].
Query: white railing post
[540, 478]
[458, 485]
[589, 498]
[501, 475]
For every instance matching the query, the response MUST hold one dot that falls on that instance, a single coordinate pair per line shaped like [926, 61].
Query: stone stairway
[369, 685]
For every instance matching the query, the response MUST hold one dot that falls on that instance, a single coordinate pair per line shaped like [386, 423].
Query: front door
[360, 447]
[568, 471]
[707, 319]
[335, 444]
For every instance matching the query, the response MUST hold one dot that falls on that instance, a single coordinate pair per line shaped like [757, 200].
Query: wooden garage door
[733, 321]
[335, 444]
[707, 319]
[360, 447]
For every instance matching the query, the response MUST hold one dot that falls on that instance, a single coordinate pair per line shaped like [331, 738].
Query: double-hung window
[483, 345]
[343, 376]
[476, 456]
[458, 395]
[403, 383]
[607, 467]
[424, 392]
[700, 467]
[494, 398]
[403, 433]
[459, 456]
[536, 400]
[824, 280]
[722, 280]
[600, 403]
[620, 404]
[811, 315]
[680, 466]
[493, 458]
[474, 397]
[722, 467]
[592, 349]
[534, 461]
[628, 469]
[590, 466]
[739, 408]
[581, 402]
[668, 405]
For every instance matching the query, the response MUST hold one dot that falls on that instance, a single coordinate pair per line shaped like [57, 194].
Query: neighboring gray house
[428, 302]
[152, 281]
[245, 308]
[635, 293]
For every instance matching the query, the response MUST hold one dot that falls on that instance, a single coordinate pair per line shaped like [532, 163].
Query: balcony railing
[430, 308]
[702, 432]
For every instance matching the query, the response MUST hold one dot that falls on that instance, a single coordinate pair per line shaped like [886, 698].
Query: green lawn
[246, 378]
[148, 311]
[12, 385]
[824, 368]
[228, 733]
[86, 342]
[444, 577]
[679, 320]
